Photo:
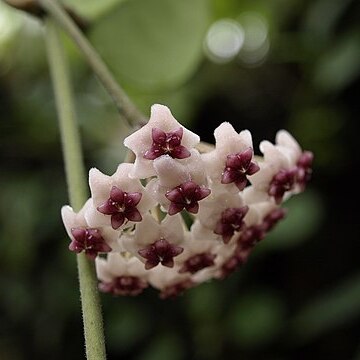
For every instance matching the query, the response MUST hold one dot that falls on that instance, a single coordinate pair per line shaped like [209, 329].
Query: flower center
[176, 289]
[283, 181]
[121, 205]
[198, 262]
[237, 167]
[186, 196]
[88, 240]
[124, 285]
[161, 251]
[167, 144]
[232, 219]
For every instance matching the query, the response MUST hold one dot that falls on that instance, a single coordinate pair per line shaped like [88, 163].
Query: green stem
[122, 101]
[91, 307]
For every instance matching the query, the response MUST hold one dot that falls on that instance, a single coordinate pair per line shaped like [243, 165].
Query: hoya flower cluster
[134, 223]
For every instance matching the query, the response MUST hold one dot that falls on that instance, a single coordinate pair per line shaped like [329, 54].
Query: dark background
[298, 297]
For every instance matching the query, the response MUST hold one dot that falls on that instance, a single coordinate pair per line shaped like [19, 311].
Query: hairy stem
[122, 101]
[91, 307]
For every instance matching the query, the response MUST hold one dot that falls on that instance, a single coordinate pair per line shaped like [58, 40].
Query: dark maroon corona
[232, 219]
[121, 205]
[237, 167]
[198, 262]
[88, 240]
[124, 285]
[186, 196]
[167, 144]
[161, 251]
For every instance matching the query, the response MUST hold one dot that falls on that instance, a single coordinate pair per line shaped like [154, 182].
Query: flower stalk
[75, 174]
[125, 106]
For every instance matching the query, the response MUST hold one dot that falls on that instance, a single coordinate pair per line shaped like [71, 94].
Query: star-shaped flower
[169, 281]
[118, 200]
[237, 167]
[85, 238]
[200, 251]
[231, 161]
[278, 169]
[186, 196]
[155, 243]
[162, 135]
[167, 144]
[223, 213]
[179, 186]
[232, 220]
[121, 205]
[282, 182]
[121, 275]
[88, 240]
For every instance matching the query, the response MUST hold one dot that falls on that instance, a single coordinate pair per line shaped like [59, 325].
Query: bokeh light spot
[224, 40]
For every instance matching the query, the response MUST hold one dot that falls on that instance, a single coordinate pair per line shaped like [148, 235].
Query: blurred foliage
[298, 295]
[160, 41]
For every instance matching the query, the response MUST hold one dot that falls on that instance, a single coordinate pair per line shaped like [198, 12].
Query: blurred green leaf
[332, 310]
[153, 43]
[329, 11]
[256, 319]
[305, 215]
[339, 66]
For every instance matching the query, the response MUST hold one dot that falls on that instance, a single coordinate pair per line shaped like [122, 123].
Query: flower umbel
[232, 200]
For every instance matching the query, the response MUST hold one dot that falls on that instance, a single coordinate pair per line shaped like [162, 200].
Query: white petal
[103, 271]
[170, 172]
[72, 219]
[228, 141]
[284, 138]
[161, 277]
[100, 185]
[172, 229]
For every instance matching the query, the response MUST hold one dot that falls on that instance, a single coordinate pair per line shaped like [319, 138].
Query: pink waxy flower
[161, 135]
[169, 281]
[175, 289]
[200, 252]
[231, 160]
[186, 196]
[121, 274]
[167, 144]
[121, 205]
[118, 200]
[285, 168]
[155, 243]
[282, 182]
[85, 238]
[88, 240]
[231, 221]
[223, 213]
[160, 251]
[198, 262]
[237, 167]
